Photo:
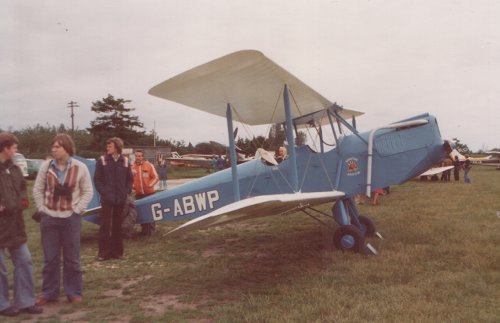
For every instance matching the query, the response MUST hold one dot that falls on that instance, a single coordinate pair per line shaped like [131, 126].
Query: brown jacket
[12, 193]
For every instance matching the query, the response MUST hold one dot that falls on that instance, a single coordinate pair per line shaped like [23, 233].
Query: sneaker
[9, 311]
[34, 309]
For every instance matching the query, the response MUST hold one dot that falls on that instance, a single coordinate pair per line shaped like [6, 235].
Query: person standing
[13, 236]
[163, 174]
[447, 173]
[467, 167]
[456, 169]
[62, 191]
[145, 179]
[113, 180]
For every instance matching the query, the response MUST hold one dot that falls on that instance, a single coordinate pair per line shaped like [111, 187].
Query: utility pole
[72, 105]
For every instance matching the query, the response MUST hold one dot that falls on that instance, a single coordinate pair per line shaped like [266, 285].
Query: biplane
[248, 87]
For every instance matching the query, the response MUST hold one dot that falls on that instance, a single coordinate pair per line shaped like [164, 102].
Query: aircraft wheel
[349, 238]
[367, 226]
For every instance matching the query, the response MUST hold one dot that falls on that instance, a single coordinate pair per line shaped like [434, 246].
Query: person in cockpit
[281, 154]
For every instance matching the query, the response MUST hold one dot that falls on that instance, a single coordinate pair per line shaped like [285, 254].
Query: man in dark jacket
[13, 234]
[113, 180]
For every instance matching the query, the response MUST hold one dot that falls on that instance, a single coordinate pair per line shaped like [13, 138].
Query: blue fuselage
[398, 155]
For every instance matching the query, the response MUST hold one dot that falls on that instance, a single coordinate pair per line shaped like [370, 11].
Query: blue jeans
[61, 235]
[466, 176]
[24, 291]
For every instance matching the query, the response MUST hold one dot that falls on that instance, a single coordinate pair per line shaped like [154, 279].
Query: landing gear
[354, 228]
[367, 227]
[349, 238]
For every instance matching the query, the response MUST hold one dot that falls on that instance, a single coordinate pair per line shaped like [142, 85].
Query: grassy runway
[439, 262]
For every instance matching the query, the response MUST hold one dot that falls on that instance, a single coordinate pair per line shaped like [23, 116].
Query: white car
[20, 161]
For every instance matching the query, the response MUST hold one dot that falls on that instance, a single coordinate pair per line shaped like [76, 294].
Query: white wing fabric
[250, 82]
[258, 206]
[436, 170]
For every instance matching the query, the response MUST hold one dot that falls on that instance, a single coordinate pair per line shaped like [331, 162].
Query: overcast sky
[391, 59]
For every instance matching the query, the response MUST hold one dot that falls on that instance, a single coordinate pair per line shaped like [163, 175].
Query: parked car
[33, 167]
[20, 161]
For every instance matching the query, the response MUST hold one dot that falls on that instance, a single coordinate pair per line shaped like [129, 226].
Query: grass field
[439, 262]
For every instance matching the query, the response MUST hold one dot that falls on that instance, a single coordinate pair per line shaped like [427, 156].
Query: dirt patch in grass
[124, 285]
[210, 252]
[160, 304]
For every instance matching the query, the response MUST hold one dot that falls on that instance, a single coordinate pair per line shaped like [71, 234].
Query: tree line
[114, 118]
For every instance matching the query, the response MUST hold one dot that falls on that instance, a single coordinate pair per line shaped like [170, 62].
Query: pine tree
[114, 120]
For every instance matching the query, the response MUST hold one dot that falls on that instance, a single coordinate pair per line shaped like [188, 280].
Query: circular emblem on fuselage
[352, 166]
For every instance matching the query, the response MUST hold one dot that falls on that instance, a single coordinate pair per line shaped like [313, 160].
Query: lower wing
[258, 206]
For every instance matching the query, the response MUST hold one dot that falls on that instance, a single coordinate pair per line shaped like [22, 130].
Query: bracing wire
[258, 144]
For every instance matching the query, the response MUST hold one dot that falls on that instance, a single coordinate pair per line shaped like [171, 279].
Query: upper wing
[258, 206]
[250, 82]
[436, 170]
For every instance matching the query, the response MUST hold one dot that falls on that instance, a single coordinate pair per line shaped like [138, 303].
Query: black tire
[367, 228]
[349, 238]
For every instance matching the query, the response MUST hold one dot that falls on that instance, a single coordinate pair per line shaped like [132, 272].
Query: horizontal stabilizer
[436, 170]
[258, 206]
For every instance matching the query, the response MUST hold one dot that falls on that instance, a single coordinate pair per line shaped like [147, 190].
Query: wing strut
[232, 153]
[291, 141]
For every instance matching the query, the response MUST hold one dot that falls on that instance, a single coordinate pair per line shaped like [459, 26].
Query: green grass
[439, 262]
